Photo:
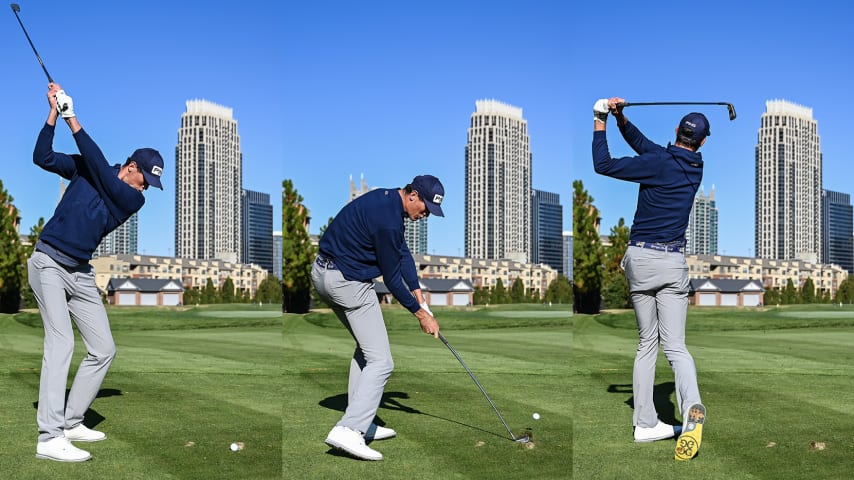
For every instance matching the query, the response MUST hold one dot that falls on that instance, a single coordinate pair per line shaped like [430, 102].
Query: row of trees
[559, 291]
[268, 292]
[790, 295]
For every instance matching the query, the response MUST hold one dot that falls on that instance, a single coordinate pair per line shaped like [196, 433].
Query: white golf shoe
[81, 433]
[651, 434]
[376, 432]
[352, 442]
[61, 450]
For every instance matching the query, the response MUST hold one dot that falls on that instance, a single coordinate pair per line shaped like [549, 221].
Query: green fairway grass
[185, 384]
[773, 382]
[446, 428]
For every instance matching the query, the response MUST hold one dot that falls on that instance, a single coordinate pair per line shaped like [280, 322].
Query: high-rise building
[498, 184]
[567, 254]
[547, 229]
[788, 184]
[257, 226]
[415, 230]
[124, 240]
[837, 224]
[701, 236]
[208, 184]
[277, 254]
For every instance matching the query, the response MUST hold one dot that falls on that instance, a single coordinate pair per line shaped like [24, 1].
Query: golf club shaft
[460, 359]
[729, 106]
[16, 9]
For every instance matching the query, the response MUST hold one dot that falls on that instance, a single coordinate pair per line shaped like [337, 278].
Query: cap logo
[693, 125]
[437, 199]
[155, 170]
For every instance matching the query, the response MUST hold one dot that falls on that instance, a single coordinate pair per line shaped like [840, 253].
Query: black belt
[678, 247]
[325, 262]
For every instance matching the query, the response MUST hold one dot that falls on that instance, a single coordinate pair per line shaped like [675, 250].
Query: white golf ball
[234, 447]
[536, 416]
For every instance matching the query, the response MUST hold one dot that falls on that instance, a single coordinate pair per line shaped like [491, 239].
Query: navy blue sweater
[668, 177]
[366, 240]
[95, 202]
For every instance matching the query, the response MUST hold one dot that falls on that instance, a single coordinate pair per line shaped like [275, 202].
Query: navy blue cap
[694, 126]
[150, 164]
[431, 191]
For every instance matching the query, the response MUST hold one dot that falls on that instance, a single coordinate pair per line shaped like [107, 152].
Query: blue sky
[130, 67]
[386, 89]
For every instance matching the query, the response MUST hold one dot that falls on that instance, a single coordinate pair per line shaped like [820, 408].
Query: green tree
[517, 291]
[845, 292]
[11, 258]
[297, 251]
[209, 293]
[269, 290]
[772, 296]
[615, 288]
[559, 291]
[191, 296]
[587, 251]
[480, 296]
[808, 292]
[498, 295]
[226, 293]
[790, 294]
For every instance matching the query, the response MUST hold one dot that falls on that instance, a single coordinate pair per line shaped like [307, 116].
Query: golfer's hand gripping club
[429, 325]
[64, 104]
[600, 110]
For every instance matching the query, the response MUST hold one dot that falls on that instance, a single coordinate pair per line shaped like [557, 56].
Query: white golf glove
[600, 110]
[427, 308]
[64, 104]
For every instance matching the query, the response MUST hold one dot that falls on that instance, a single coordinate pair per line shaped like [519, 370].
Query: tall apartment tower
[498, 184]
[257, 229]
[416, 231]
[547, 229]
[701, 236]
[208, 184]
[567, 255]
[788, 184]
[837, 224]
[124, 240]
[277, 253]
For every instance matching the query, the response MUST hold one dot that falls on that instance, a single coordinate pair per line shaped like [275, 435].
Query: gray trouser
[658, 282]
[64, 295]
[356, 305]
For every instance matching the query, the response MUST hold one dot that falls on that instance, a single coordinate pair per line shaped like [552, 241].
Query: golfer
[654, 263]
[366, 241]
[99, 198]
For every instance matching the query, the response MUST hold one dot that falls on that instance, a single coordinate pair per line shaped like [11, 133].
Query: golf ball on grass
[234, 447]
[536, 416]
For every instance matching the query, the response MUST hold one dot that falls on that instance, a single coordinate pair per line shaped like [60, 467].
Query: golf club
[729, 106]
[16, 8]
[521, 438]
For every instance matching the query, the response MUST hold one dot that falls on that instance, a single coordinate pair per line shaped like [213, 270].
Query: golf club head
[522, 439]
[731, 110]
[15, 7]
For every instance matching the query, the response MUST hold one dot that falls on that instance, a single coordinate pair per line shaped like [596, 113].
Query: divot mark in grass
[190, 444]
[771, 444]
[479, 444]
[817, 445]
[529, 445]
